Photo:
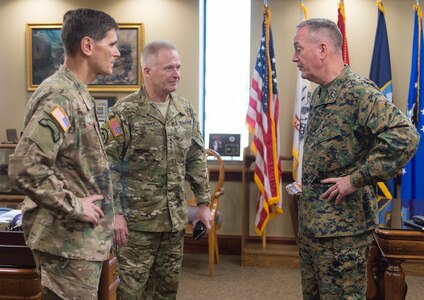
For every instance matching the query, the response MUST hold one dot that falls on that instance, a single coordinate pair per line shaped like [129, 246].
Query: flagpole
[264, 231]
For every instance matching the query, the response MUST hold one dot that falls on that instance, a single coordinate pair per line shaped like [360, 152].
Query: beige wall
[177, 20]
[174, 20]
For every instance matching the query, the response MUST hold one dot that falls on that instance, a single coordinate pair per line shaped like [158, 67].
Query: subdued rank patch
[60, 116]
[104, 134]
[115, 127]
[53, 128]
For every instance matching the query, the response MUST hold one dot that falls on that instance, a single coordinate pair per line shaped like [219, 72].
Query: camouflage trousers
[334, 267]
[150, 265]
[64, 278]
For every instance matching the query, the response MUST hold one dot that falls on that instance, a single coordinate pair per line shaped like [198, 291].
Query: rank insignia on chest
[115, 127]
[60, 116]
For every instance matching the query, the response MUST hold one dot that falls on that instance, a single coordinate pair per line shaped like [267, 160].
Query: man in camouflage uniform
[354, 138]
[61, 165]
[153, 141]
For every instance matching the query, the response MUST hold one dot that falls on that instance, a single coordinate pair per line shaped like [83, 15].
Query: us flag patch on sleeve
[115, 127]
[60, 116]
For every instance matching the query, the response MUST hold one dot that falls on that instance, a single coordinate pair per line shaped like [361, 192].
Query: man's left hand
[203, 215]
[341, 188]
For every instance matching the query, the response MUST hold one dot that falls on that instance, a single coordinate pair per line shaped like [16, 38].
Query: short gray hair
[151, 50]
[326, 27]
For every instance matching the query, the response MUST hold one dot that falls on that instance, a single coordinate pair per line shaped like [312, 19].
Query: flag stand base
[275, 253]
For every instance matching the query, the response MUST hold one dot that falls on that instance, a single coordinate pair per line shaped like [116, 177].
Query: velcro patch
[60, 116]
[48, 123]
[115, 127]
[105, 135]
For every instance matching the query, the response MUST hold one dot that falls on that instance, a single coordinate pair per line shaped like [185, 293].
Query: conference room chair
[216, 223]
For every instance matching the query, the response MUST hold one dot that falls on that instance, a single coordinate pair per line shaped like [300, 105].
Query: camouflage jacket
[150, 158]
[60, 158]
[352, 130]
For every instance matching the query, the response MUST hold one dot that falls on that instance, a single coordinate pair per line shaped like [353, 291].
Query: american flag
[262, 121]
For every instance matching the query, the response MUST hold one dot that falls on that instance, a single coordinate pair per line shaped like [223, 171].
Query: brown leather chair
[216, 218]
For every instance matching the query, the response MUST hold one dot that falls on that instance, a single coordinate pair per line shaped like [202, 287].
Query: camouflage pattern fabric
[334, 268]
[65, 278]
[162, 254]
[352, 130]
[150, 157]
[60, 158]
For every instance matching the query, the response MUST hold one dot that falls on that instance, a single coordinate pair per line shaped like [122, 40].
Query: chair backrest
[219, 189]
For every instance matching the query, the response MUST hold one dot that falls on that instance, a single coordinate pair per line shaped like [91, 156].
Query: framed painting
[103, 104]
[44, 54]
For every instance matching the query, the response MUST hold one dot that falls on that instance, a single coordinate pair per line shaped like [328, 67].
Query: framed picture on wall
[103, 104]
[44, 55]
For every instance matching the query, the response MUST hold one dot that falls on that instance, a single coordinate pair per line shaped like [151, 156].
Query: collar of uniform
[74, 78]
[82, 87]
[147, 106]
[331, 90]
[175, 106]
[145, 103]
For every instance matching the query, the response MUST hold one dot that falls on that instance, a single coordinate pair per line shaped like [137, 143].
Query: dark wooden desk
[386, 279]
[19, 279]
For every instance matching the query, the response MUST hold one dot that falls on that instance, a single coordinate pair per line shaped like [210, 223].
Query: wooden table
[19, 278]
[24, 283]
[392, 247]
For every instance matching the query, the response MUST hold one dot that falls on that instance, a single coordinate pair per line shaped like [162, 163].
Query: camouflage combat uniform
[150, 157]
[352, 130]
[60, 158]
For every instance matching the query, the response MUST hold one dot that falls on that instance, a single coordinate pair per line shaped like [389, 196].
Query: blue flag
[381, 74]
[412, 188]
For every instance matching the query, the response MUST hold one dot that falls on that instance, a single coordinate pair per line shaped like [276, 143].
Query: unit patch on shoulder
[105, 135]
[48, 123]
[115, 127]
[61, 118]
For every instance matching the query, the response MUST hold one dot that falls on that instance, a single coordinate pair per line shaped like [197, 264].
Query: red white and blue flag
[263, 124]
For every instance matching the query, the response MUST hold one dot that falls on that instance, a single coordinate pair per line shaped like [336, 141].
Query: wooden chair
[216, 219]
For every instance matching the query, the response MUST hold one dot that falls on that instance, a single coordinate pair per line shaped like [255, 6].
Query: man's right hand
[91, 212]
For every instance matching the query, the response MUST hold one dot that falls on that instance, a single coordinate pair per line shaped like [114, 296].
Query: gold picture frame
[44, 55]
